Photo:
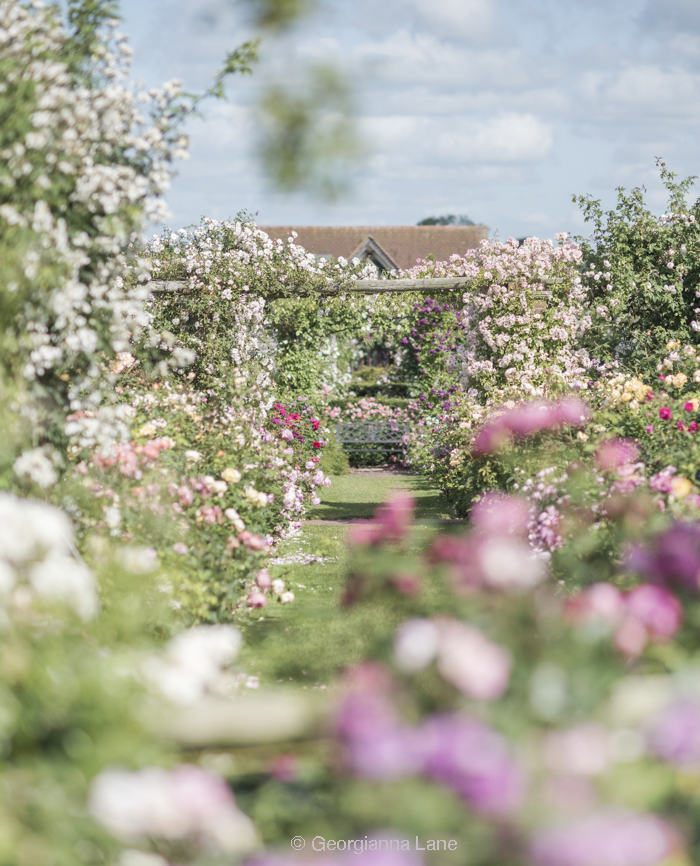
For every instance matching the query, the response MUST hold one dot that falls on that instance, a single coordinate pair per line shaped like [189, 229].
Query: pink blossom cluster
[609, 837]
[130, 458]
[456, 750]
[389, 525]
[526, 420]
[617, 457]
[512, 341]
[645, 614]
[367, 409]
[263, 584]
[495, 554]
[662, 482]
[294, 480]
[465, 657]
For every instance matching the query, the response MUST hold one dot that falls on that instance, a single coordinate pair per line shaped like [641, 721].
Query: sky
[497, 109]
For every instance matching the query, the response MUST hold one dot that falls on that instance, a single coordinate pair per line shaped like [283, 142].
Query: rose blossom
[614, 837]
[675, 734]
[257, 599]
[473, 664]
[185, 803]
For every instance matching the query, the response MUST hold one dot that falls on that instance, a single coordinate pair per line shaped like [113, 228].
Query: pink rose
[473, 664]
[257, 599]
[263, 580]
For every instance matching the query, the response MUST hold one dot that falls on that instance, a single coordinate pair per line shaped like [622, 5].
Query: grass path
[358, 494]
[309, 640]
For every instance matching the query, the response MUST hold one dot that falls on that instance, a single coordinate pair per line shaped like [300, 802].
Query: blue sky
[499, 109]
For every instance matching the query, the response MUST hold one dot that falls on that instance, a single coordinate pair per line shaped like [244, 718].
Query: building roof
[398, 246]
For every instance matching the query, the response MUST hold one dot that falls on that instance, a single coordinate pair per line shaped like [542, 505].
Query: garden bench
[358, 436]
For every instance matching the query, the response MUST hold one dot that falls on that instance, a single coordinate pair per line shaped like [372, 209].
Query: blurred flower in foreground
[644, 614]
[475, 665]
[675, 734]
[466, 658]
[390, 523]
[528, 419]
[193, 661]
[474, 761]
[37, 557]
[611, 838]
[496, 553]
[616, 452]
[670, 559]
[460, 752]
[185, 804]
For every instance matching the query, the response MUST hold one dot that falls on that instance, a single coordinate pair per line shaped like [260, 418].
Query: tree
[449, 220]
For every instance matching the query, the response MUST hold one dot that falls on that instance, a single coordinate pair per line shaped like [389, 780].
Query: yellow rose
[148, 429]
[233, 476]
[681, 487]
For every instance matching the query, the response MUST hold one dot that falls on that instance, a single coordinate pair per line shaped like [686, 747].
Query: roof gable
[403, 245]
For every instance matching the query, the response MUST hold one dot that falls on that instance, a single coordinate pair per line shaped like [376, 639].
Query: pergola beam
[367, 287]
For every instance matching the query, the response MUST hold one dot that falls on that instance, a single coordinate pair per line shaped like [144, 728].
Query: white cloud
[404, 58]
[475, 106]
[505, 139]
[470, 19]
[510, 138]
[644, 90]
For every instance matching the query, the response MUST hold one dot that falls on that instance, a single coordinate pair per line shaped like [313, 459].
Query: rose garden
[216, 635]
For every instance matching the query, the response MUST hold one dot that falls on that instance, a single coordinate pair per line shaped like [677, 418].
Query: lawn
[358, 494]
[309, 640]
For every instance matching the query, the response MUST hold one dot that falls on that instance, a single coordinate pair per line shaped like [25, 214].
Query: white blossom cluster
[193, 662]
[38, 560]
[221, 253]
[89, 164]
[187, 804]
[234, 265]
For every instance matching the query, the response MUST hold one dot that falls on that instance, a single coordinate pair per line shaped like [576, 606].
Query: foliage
[309, 133]
[641, 271]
